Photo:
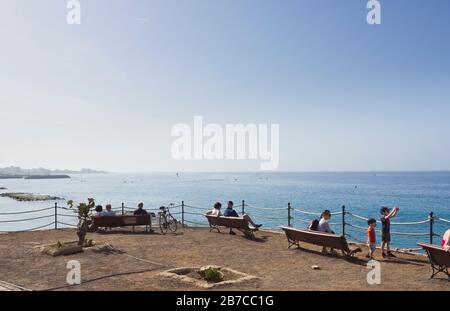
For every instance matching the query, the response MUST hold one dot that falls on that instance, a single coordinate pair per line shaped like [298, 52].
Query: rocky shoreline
[29, 197]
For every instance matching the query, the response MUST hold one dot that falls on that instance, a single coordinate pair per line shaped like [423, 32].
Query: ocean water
[416, 193]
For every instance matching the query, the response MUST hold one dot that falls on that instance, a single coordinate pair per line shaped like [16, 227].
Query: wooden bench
[438, 257]
[295, 236]
[122, 221]
[238, 223]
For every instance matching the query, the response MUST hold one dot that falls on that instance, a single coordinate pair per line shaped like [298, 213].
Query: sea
[264, 196]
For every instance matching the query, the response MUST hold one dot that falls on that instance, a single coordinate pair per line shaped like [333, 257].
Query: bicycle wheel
[172, 224]
[163, 224]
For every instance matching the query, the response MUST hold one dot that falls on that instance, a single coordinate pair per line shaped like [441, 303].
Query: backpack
[314, 225]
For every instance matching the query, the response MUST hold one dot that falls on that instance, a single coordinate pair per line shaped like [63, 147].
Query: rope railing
[357, 216]
[270, 213]
[27, 219]
[392, 232]
[335, 223]
[27, 212]
[64, 208]
[410, 233]
[393, 223]
[66, 224]
[355, 226]
[314, 213]
[410, 223]
[306, 213]
[356, 239]
[71, 216]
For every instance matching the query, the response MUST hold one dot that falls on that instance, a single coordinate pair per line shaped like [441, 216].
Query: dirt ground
[142, 256]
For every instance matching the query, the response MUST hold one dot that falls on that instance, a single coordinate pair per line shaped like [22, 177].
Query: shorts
[386, 236]
[372, 247]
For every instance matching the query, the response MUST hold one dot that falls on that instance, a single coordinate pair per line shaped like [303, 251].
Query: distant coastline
[13, 172]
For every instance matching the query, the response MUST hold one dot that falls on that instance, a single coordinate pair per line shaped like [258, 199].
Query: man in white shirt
[324, 226]
[109, 211]
[216, 210]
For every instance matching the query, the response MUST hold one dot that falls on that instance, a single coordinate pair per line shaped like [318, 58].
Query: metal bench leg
[437, 269]
[214, 228]
[292, 243]
[249, 234]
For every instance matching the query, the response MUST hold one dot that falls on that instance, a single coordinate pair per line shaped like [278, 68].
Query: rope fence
[193, 215]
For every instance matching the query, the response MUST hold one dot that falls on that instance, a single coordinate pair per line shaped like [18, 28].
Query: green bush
[213, 275]
[88, 243]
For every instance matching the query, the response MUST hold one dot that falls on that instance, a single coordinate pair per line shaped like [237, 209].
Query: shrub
[213, 275]
[59, 244]
[88, 243]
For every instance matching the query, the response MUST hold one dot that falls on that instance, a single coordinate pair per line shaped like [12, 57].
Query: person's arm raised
[393, 213]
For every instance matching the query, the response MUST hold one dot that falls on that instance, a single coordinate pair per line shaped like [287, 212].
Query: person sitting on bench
[324, 226]
[109, 211]
[140, 210]
[98, 211]
[230, 212]
[446, 241]
[216, 210]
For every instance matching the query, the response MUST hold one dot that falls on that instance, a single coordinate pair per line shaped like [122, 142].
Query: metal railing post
[289, 214]
[243, 207]
[343, 220]
[56, 215]
[182, 214]
[431, 217]
[123, 208]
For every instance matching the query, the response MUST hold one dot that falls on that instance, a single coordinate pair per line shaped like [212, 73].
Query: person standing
[371, 237]
[386, 215]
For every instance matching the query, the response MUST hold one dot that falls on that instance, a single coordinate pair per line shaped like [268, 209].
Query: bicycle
[166, 221]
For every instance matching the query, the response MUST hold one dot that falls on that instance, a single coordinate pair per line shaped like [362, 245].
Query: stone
[29, 197]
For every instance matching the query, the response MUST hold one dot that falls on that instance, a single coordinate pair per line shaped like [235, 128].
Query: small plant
[213, 275]
[84, 210]
[59, 244]
[88, 243]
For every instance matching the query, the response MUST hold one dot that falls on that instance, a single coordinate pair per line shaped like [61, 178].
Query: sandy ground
[267, 257]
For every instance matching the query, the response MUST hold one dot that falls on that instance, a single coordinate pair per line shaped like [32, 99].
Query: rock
[3, 188]
[315, 267]
[63, 251]
[29, 197]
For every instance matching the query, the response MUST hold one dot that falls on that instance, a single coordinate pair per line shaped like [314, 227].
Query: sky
[348, 96]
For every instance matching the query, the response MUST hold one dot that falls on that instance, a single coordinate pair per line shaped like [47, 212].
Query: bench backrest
[121, 221]
[317, 238]
[437, 255]
[231, 222]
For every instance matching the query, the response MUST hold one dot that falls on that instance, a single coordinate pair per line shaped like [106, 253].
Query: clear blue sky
[105, 94]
